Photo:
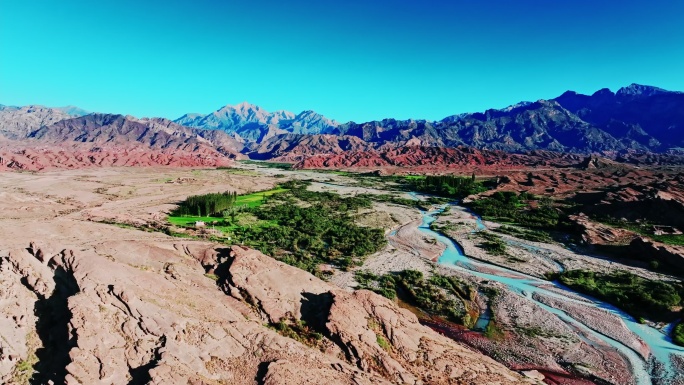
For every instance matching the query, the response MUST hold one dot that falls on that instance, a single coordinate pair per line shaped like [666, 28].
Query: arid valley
[99, 287]
[341, 192]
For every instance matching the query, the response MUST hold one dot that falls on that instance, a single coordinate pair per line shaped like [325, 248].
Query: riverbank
[537, 259]
[538, 325]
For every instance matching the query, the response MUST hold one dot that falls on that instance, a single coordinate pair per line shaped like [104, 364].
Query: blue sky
[349, 60]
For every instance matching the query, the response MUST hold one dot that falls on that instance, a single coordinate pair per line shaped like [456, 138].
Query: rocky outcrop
[672, 256]
[372, 332]
[597, 234]
[133, 312]
[36, 157]
[436, 158]
[18, 122]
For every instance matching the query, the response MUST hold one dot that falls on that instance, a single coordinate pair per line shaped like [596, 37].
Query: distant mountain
[158, 134]
[73, 110]
[439, 159]
[636, 118]
[17, 122]
[295, 147]
[252, 123]
[640, 116]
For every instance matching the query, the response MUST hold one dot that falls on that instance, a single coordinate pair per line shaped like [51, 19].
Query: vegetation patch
[443, 228]
[238, 171]
[278, 165]
[678, 334]
[494, 332]
[25, 368]
[382, 342]
[640, 297]
[526, 234]
[311, 228]
[439, 295]
[300, 227]
[523, 209]
[299, 331]
[492, 243]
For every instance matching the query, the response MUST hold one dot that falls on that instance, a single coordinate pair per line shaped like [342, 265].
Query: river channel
[658, 370]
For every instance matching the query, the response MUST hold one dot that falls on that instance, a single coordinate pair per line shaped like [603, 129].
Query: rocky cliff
[134, 312]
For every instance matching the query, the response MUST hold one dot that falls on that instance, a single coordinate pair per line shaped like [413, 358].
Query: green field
[257, 199]
[248, 200]
[677, 240]
[190, 221]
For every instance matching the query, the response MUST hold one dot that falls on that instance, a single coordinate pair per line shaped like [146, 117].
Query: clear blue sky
[349, 60]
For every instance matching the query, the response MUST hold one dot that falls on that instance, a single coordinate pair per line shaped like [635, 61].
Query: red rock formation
[438, 158]
[37, 158]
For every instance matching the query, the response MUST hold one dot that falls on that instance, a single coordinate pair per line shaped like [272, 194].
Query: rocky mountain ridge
[634, 120]
[18, 122]
[37, 142]
[252, 123]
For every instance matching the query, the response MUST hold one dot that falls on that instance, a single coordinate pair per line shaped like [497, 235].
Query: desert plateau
[99, 286]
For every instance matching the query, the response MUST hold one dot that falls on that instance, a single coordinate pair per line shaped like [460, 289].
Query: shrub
[638, 296]
[678, 334]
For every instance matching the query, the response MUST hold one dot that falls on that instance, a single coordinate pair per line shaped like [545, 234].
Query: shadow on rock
[52, 327]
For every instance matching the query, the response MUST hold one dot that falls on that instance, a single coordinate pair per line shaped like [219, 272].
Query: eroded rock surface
[143, 312]
[373, 333]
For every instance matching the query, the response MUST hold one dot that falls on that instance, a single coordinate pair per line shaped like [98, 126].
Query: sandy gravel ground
[678, 362]
[407, 249]
[62, 207]
[599, 320]
[532, 258]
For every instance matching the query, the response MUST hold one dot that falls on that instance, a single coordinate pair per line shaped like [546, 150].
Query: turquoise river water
[658, 370]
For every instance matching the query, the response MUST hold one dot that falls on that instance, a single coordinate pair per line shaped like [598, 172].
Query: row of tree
[448, 185]
[206, 205]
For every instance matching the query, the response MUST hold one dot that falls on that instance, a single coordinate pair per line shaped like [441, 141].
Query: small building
[665, 230]
[200, 224]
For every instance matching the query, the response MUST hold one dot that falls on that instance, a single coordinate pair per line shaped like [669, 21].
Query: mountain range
[252, 123]
[636, 118]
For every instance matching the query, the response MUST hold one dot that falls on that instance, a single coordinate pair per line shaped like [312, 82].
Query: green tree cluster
[447, 185]
[206, 205]
[439, 295]
[509, 206]
[638, 296]
[310, 228]
[678, 334]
